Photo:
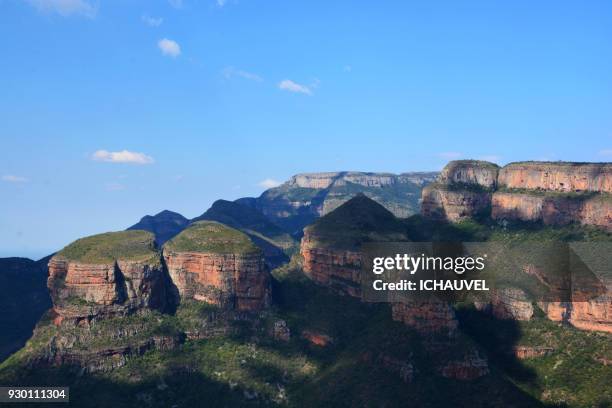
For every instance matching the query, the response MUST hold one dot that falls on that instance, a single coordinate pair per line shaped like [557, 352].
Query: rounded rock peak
[131, 245]
[211, 237]
[470, 172]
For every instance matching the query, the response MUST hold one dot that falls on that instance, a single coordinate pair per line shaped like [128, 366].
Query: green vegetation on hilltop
[133, 245]
[359, 220]
[210, 236]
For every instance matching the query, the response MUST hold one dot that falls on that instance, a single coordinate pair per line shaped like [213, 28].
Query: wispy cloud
[289, 85]
[152, 21]
[230, 72]
[269, 183]
[123, 156]
[10, 178]
[177, 4]
[169, 48]
[605, 152]
[115, 187]
[66, 8]
[490, 158]
[221, 3]
[450, 155]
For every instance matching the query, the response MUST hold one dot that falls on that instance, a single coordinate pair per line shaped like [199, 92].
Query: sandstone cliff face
[235, 281]
[214, 263]
[551, 193]
[84, 288]
[508, 303]
[557, 176]
[552, 210]
[473, 172]
[427, 317]
[454, 205]
[338, 269]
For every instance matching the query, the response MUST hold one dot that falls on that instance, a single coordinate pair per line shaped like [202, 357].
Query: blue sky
[112, 110]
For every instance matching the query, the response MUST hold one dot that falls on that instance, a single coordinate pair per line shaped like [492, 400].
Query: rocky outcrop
[427, 317]
[317, 338]
[470, 172]
[217, 264]
[338, 269]
[306, 197]
[525, 352]
[551, 193]
[553, 209]
[106, 275]
[442, 203]
[508, 303]
[330, 248]
[557, 176]
[469, 367]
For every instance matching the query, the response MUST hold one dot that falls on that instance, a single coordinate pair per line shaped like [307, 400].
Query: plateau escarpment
[217, 264]
[105, 275]
[305, 197]
[555, 193]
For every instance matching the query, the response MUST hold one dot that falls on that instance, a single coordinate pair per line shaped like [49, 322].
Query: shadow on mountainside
[23, 300]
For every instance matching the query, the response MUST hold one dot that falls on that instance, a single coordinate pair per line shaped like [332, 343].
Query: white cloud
[177, 4]
[289, 85]
[115, 186]
[450, 155]
[124, 156]
[169, 48]
[605, 152]
[152, 21]
[229, 72]
[269, 183]
[14, 179]
[490, 158]
[66, 8]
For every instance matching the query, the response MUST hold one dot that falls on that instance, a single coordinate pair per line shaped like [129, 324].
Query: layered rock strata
[217, 264]
[556, 193]
[106, 275]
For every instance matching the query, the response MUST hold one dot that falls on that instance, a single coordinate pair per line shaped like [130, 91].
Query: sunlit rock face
[106, 275]
[557, 176]
[217, 264]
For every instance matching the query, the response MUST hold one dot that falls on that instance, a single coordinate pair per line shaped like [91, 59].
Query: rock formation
[557, 176]
[331, 246]
[306, 197]
[556, 193]
[217, 264]
[105, 275]
[275, 243]
[331, 257]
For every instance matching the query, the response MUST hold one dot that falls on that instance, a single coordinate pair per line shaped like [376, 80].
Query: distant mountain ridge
[164, 225]
[307, 196]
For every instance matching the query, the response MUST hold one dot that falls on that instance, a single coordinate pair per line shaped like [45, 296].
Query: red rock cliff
[236, 281]
[214, 263]
[557, 176]
[85, 282]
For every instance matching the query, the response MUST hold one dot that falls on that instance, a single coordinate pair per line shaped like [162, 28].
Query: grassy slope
[210, 236]
[135, 245]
